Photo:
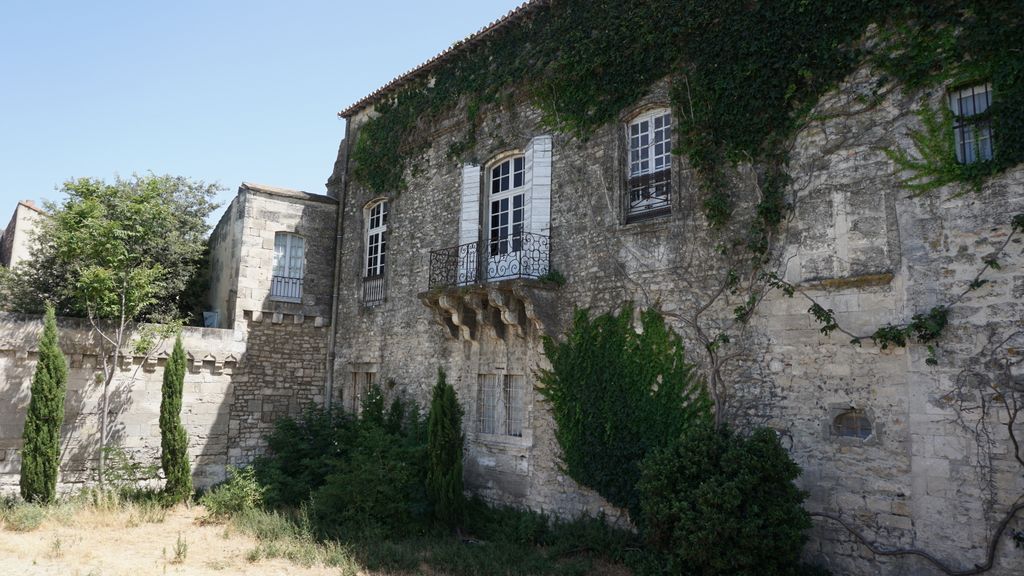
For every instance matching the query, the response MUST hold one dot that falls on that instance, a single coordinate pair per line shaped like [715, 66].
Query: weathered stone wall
[135, 395]
[225, 250]
[856, 242]
[284, 374]
[15, 240]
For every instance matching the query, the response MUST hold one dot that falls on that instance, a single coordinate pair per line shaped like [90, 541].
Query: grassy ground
[107, 537]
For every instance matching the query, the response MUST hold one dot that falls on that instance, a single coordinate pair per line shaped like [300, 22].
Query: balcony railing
[517, 256]
[374, 289]
[285, 288]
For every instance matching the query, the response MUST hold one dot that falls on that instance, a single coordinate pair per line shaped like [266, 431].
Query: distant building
[15, 241]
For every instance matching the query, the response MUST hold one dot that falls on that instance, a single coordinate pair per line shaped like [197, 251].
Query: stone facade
[16, 238]
[284, 314]
[856, 242]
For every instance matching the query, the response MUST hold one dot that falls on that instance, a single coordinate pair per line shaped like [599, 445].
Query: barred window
[501, 404]
[289, 263]
[650, 165]
[972, 126]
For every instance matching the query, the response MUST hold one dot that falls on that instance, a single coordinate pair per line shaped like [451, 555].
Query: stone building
[456, 271]
[15, 239]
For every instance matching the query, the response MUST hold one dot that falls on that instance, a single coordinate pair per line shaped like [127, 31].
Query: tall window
[289, 261]
[650, 165]
[501, 404]
[376, 253]
[972, 127]
[506, 206]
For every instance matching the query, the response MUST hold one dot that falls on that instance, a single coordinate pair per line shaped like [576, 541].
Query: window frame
[373, 266]
[501, 406]
[653, 183]
[286, 283]
[512, 241]
[972, 131]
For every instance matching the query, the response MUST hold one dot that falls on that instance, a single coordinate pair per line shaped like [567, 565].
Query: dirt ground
[117, 544]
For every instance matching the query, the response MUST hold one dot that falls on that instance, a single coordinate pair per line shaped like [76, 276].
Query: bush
[616, 395]
[240, 493]
[24, 517]
[444, 450]
[716, 502]
[301, 453]
[379, 483]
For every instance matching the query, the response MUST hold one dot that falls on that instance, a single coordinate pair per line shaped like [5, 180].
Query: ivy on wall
[744, 74]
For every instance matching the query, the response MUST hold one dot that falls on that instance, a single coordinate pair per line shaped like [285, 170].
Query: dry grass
[83, 538]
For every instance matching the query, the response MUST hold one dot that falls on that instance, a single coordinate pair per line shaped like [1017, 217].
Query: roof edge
[470, 41]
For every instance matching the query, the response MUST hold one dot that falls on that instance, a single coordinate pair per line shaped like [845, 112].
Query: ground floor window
[501, 404]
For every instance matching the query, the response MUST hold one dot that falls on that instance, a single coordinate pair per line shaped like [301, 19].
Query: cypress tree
[40, 456]
[173, 439]
[444, 451]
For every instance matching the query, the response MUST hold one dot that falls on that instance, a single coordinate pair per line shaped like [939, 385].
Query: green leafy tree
[40, 457]
[173, 438]
[444, 451]
[617, 394]
[119, 253]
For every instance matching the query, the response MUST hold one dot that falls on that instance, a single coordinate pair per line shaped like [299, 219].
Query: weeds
[180, 550]
[25, 517]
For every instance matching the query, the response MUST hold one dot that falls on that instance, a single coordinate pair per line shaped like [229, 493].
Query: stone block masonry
[238, 383]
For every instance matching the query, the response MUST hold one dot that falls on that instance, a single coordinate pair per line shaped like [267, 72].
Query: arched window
[376, 253]
[650, 165]
[289, 265]
[851, 424]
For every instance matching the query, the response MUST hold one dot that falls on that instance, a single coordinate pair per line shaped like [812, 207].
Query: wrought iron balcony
[374, 290]
[285, 288]
[512, 257]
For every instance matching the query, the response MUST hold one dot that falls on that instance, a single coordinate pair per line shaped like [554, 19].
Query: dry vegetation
[90, 539]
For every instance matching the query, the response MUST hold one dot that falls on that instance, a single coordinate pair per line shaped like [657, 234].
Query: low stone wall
[237, 384]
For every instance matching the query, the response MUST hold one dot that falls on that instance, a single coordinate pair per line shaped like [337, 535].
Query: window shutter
[538, 182]
[469, 220]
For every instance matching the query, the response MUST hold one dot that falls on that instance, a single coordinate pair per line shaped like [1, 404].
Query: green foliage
[957, 43]
[301, 453]
[173, 438]
[123, 475]
[742, 74]
[127, 248]
[444, 453]
[368, 472]
[379, 486]
[24, 517]
[716, 502]
[40, 456]
[937, 165]
[616, 395]
[554, 277]
[240, 493]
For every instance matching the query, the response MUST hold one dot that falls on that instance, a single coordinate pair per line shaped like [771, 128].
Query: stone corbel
[466, 323]
[509, 307]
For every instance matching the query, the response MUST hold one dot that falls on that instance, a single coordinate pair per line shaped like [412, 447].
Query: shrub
[380, 484]
[717, 502]
[240, 493]
[444, 450]
[40, 457]
[301, 453]
[173, 438]
[616, 395]
[24, 517]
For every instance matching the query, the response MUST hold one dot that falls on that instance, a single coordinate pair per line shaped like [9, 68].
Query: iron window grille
[289, 263]
[374, 285]
[972, 125]
[501, 404]
[649, 186]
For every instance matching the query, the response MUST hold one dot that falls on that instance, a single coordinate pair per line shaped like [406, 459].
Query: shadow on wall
[134, 400]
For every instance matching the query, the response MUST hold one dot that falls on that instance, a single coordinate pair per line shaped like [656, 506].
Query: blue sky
[218, 90]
